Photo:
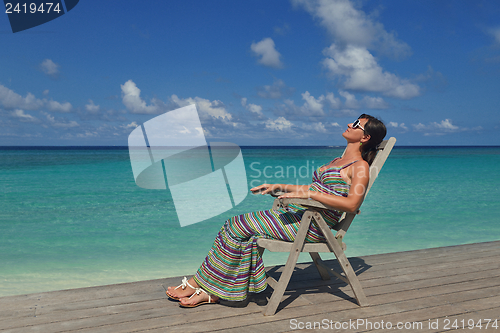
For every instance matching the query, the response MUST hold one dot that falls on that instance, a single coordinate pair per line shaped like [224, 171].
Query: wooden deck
[424, 289]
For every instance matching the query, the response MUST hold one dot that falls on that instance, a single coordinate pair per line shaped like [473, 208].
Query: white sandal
[197, 292]
[183, 285]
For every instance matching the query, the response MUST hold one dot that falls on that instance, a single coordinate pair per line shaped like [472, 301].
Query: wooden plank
[466, 276]
[197, 316]
[307, 313]
[100, 292]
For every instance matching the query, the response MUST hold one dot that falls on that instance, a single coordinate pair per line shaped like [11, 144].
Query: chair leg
[321, 270]
[336, 248]
[290, 265]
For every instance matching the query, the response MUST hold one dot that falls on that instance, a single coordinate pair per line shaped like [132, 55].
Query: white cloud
[59, 123]
[279, 124]
[312, 106]
[254, 108]
[333, 102]
[397, 126]
[131, 98]
[362, 72]
[214, 109]
[350, 100]
[351, 26]
[495, 33]
[374, 102]
[50, 68]
[440, 128]
[131, 125]
[275, 91]
[318, 127]
[11, 100]
[267, 51]
[446, 125]
[91, 107]
[19, 114]
[346, 113]
[87, 134]
[58, 107]
[349, 58]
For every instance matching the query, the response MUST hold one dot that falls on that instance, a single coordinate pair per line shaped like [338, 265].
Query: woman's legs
[233, 266]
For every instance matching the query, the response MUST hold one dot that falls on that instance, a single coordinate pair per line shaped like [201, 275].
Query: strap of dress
[345, 166]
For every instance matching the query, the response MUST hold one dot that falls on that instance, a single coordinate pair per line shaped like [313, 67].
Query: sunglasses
[357, 123]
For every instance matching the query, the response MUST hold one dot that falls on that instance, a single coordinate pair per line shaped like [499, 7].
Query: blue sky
[260, 72]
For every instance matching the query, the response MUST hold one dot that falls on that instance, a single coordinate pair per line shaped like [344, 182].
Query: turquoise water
[73, 218]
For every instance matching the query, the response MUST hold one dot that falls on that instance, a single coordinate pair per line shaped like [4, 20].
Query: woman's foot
[185, 289]
[199, 297]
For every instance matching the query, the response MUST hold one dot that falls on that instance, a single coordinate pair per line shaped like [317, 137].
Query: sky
[260, 72]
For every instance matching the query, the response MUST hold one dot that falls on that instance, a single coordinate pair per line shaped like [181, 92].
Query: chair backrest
[383, 151]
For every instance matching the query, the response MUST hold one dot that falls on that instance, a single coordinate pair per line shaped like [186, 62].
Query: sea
[74, 217]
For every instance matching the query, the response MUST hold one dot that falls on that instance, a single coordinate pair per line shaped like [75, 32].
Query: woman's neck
[352, 151]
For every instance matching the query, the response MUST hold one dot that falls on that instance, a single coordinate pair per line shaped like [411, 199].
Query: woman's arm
[360, 174]
[267, 188]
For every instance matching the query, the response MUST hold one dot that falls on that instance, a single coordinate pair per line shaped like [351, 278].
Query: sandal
[183, 285]
[197, 292]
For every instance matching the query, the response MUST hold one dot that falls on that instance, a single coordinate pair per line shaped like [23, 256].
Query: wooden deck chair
[333, 243]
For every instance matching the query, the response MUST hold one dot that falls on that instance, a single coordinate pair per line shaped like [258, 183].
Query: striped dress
[233, 266]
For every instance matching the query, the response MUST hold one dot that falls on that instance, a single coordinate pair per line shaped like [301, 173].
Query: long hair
[375, 128]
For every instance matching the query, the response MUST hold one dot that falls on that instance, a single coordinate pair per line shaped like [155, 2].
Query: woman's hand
[266, 188]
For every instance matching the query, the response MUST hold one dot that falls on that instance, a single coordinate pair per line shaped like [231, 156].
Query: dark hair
[375, 128]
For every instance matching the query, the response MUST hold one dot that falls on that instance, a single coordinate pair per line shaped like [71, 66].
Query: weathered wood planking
[456, 282]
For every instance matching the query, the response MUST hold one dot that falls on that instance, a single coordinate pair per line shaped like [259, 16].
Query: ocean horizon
[72, 216]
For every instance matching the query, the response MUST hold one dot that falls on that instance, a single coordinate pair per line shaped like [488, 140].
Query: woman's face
[355, 134]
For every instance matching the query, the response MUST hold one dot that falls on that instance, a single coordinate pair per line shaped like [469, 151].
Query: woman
[233, 267]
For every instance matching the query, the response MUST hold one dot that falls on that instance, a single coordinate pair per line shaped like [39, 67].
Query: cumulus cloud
[131, 125]
[318, 127]
[443, 127]
[131, 98]
[332, 101]
[349, 58]
[346, 113]
[275, 91]
[58, 107]
[254, 108]
[351, 26]
[20, 115]
[91, 107]
[311, 107]
[350, 100]
[395, 125]
[11, 100]
[495, 33]
[214, 109]
[374, 103]
[266, 51]
[360, 71]
[58, 123]
[50, 68]
[279, 124]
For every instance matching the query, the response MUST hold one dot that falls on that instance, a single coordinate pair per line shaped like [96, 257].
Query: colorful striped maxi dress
[233, 266]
